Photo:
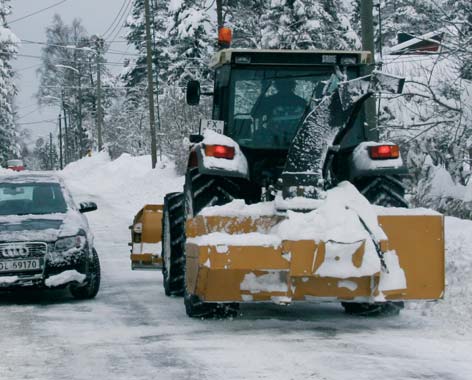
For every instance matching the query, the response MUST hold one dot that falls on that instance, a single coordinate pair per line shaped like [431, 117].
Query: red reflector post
[384, 152]
[219, 151]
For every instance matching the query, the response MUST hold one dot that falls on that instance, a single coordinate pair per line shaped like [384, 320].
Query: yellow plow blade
[223, 264]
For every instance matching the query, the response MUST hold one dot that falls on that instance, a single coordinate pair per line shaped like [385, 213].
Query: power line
[55, 45]
[38, 57]
[37, 12]
[126, 13]
[29, 113]
[27, 68]
[116, 18]
[38, 122]
[27, 106]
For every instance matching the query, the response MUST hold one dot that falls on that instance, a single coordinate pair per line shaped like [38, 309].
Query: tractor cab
[263, 96]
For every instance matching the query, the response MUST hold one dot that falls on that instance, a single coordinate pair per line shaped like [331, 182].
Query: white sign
[217, 126]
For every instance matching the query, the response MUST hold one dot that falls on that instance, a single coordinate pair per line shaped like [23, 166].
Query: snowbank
[456, 309]
[127, 182]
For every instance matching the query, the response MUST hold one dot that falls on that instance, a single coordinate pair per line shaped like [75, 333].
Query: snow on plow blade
[237, 259]
[146, 234]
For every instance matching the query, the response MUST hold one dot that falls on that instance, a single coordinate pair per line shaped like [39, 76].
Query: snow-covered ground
[132, 331]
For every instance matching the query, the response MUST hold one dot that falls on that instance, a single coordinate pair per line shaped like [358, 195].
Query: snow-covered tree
[68, 80]
[136, 36]
[306, 24]
[8, 50]
[128, 124]
[191, 35]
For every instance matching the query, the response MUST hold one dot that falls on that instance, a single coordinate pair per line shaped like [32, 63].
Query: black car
[45, 241]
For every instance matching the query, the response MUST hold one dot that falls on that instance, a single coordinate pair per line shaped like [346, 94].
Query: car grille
[21, 250]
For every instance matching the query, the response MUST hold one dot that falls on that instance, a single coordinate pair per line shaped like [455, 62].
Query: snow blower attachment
[146, 234]
[327, 254]
[283, 198]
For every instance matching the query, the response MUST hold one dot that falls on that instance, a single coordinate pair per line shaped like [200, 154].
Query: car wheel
[90, 290]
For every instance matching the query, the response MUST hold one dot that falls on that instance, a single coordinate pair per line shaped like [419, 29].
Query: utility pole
[71, 144]
[51, 152]
[150, 84]
[61, 165]
[158, 114]
[367, 25]
[66, 131]
[98, 51]
[80, 112]
[219, 13]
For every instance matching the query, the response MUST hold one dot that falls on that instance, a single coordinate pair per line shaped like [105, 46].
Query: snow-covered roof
[415, 44]
[224, 56]
[29, 177]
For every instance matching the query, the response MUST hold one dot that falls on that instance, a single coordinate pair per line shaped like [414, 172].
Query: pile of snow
[8, 279]
[240, 209]
[64, 278]
[127, 182]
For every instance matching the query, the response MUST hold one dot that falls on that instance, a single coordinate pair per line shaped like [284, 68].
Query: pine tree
[291, 24]
[136, 69]
[8, 50]
[244, 17]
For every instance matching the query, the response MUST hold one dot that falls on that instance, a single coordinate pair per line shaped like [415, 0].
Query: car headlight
[70, 242]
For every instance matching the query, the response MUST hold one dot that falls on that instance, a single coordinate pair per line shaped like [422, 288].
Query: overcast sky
[96, 15]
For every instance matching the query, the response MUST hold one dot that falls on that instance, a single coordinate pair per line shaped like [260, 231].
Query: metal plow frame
[145, 251]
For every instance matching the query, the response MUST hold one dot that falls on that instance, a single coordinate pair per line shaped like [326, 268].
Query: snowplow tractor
[289, 196]
[145, 244]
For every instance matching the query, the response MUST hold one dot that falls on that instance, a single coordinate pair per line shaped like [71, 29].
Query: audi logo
[14, 251]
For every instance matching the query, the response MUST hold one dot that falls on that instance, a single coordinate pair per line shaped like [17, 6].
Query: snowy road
[132, 331]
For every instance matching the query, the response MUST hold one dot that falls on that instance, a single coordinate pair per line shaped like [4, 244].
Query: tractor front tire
[373, 309]
[196, 308]
[203, 190]
[173, 244]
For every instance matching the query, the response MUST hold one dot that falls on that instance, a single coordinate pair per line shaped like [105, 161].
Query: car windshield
[267, 105]
[31, 198]
[14, 163]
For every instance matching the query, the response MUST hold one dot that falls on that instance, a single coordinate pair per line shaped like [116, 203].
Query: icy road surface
[132, 331]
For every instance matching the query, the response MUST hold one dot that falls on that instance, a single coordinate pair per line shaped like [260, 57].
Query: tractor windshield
[266, 106]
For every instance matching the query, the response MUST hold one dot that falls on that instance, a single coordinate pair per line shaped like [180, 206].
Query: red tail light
[384, 152]
[219, 151]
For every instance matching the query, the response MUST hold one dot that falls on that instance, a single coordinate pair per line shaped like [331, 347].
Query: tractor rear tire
[373, 309]
[173, 244]
[196, 308]
[387, 191]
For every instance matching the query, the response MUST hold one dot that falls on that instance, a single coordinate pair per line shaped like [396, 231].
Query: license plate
[23, 265]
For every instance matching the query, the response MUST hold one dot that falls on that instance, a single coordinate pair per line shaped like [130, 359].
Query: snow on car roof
[30, 177]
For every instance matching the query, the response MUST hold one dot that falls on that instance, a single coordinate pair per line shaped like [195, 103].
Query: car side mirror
[87, 207]
[195, 138]
[193, 93]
